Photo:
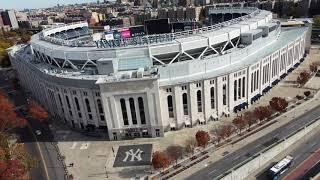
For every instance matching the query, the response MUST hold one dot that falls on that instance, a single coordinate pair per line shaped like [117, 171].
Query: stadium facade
[146, 86]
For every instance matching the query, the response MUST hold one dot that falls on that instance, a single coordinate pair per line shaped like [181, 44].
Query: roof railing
[173, 36]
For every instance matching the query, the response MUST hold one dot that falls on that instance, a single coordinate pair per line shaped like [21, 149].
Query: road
[300, 153]
[41, 147]
[215, 169]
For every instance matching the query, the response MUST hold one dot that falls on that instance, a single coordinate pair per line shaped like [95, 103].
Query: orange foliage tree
[239, 123]
[8, 117]
[262, 112]
[249, 118]
[160, 160]
[202, 138]
[278, 104]
[36, 111]
[174, 152]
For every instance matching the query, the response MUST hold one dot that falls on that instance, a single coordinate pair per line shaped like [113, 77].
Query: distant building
[9, 18]
[126, 22]
[162, 13]
[181, 14]
[1, 22]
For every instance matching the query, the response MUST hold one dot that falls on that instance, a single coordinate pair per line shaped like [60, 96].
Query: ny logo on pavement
[134, 155]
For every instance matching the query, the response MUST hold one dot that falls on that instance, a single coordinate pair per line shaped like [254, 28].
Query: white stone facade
[151, 105]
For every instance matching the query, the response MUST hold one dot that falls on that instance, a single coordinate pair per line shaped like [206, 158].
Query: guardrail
[149, 39]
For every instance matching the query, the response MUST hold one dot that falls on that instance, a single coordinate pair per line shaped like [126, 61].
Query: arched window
[77, 103]
[239, 88]
[68, 102]
[100, 108]
[88, 105]
[124, 111]
[243, 86]
[133, 111]
[199, 101]
[224, 94]
[235, 90]
[141, 110]
[212, 97]
[185, 103]
[170, 106]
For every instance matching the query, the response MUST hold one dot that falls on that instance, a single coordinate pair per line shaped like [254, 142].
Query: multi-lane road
[218, 168]
[300, 153]
[40, 147]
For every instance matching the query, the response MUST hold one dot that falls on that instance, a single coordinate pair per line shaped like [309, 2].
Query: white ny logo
[133, 155]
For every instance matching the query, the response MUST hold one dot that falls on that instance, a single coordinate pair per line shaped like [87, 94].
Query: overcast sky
[22, 4]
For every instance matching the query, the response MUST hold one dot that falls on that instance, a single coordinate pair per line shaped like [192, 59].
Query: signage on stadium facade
[134, 41]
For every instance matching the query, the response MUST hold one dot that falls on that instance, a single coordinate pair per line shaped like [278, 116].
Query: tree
[303, 78]
[262, 112]
[36, 111]
[278, 104]
[313, 67]
[202, 138]
[160, 160]
[227, 130]
[8, 117]
[218, 133]
[11, 169]
[190, 145]
[239, 123]
[175, 152]
[249, 118]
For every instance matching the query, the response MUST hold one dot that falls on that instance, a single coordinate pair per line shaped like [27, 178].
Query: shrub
[307, 93]
[299, 97]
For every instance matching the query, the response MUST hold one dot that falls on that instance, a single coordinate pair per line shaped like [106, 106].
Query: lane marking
[74, 145]
[40, 151]
[212, 171]
[84, 146]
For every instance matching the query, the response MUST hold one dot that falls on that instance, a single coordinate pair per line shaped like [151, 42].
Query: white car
[38, 132]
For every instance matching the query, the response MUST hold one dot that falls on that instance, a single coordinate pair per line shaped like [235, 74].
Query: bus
[275, 171]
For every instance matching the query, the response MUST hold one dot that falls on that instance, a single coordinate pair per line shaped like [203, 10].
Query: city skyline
[31, 4]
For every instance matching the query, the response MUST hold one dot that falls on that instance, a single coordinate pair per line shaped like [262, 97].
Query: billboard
[137, 31]
[125, 33]
[157, 26]
[178, 26]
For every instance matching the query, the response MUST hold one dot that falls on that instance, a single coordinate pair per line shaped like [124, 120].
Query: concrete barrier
[258, 160]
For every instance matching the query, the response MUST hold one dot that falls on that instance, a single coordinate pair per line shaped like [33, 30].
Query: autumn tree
[36, 111]
[190, 145]
[278, 104]
[160, 160]
[8, 117]
[313, 67]
[227, 130]
[303, 78]
[262, 112]
[239, 123]
[202, 138]
[249, 118]
[220, 133]
[174, 152]
[15, 162]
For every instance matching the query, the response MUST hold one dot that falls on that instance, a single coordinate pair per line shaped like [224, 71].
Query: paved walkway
[93, 159]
